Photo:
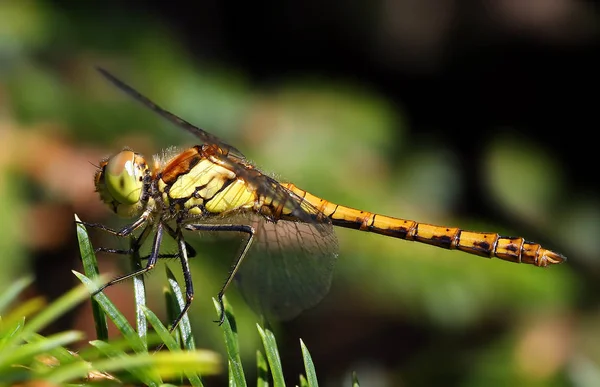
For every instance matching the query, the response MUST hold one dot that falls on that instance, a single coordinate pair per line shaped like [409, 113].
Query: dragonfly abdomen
[490, 245]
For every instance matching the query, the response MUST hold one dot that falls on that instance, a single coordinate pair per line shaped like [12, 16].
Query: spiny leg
[136, 245]
[236, 263]
[187, 277]
[191, 252]
[125, 231]
[177, 236]
[149, 265]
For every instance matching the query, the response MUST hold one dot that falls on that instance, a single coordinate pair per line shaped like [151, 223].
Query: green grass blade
[53, 358]
[355, 380]
[92, 353]
[55, 310]
[262, 374]
[185, 329]
[90, 268]
[171, 343]
[161, 330]
[17, 316]
[303, 381]
[9, 295]
[165, 364]
[311, 375]
[273, 359]
[172, 364]
[143, 374]
[172, 312]
[10, 333]
[62, 355]
[116, 317]
[139, 291]
[25, 354]
[236, 371]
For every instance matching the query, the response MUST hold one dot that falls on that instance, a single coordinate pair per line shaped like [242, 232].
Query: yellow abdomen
[513, 249]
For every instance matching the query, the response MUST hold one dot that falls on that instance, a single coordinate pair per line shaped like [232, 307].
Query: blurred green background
[473, 115]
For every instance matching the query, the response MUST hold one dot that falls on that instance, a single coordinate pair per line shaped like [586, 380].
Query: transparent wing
[289, 267]
[204, 136]
[265, 187]
[290, 264]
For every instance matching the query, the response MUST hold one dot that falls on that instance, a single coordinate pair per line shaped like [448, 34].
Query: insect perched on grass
[287, 257]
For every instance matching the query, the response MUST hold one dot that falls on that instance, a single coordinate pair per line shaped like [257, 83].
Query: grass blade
[143, 374]
[10, 334]
[23, 354]
[309, 366]
[17, 316]
[184, 328]
[9, 295]
[165, 364]
[171, 343]
[62, 355]
[116, 317]
[55, 310]
[236, 371]
[273, 359]
[90, 268]
[139, 292]
[161, 330]
[172, 313]
[262, 374]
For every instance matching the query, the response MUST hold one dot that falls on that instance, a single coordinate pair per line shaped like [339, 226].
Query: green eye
[124, 178]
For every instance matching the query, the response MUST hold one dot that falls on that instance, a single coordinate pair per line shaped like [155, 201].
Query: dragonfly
[289, 247]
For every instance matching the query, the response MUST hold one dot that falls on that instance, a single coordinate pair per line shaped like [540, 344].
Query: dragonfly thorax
[122, 181]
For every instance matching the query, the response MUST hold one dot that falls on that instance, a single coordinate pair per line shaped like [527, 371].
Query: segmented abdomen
[513, 249]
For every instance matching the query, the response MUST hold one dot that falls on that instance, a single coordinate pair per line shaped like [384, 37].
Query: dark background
[460, 77]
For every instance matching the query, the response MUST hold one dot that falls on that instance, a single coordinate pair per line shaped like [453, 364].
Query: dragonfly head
[121, 180]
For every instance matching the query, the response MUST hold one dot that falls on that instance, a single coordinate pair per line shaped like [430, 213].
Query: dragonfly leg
[108, 250]
[236, 263]
[149, 265]
[187, 276]
[137, 244]
[125, 231]
[132, 251]
[191, 252]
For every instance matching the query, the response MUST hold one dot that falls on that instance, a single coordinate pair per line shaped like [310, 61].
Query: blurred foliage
[442, 317]
[26, 357]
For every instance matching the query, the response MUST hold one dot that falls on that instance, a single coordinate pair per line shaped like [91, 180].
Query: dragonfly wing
[204, 136]
[288, 268]
[295, 207]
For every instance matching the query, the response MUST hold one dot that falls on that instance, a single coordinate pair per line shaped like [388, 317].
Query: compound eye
[124, 177]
